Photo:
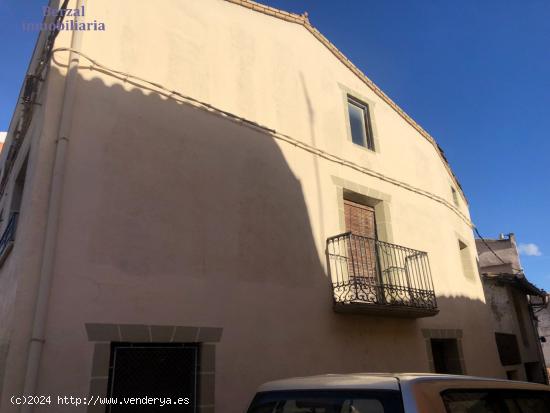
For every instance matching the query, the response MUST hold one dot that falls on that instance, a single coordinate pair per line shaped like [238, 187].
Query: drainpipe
[54, 203]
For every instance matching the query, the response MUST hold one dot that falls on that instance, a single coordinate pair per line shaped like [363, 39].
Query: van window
[496, 401]
[327, 401]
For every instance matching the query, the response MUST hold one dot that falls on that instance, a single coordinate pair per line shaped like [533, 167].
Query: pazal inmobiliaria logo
[64, 24]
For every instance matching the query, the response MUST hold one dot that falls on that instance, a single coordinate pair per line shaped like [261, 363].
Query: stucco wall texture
[175, 215]
[544, 331]
[510, 311]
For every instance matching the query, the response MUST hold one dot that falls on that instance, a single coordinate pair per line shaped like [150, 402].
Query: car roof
[334, 381]
[379, 381]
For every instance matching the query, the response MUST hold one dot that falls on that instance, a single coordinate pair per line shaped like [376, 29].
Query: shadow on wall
[177, 188]
[175, 214]
[400, 344]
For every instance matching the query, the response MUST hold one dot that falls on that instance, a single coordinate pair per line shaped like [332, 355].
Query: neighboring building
[261, 210]
[513, 301]
[543, 317]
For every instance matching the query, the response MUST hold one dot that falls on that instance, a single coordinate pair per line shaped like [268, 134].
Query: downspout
[54, 202]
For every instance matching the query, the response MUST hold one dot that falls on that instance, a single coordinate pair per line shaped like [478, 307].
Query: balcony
[8, 237]
[375, 277]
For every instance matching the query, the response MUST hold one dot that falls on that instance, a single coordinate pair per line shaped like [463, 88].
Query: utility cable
[519, 271]
[173, 94]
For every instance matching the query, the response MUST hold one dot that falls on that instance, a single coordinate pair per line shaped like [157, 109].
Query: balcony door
[361, 222]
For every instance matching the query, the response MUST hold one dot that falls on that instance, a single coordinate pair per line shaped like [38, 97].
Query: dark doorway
[446, 356]
[146, 371]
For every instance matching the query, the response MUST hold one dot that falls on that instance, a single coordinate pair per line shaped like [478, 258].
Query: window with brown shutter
[360, 220]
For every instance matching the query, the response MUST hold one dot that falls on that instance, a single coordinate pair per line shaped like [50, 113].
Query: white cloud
[529, 249]
[3, 136]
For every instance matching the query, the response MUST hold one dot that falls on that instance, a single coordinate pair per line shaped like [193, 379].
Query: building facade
[514, 304]
[543, 324]
[212, 187]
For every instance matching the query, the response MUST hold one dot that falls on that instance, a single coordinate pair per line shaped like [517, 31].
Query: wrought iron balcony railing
[371, 276]
[8, 236]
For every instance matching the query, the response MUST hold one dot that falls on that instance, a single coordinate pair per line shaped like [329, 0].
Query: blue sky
[475, 74]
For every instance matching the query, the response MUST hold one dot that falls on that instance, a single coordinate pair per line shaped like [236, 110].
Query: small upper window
[466, 260]
[455, 195]
[359, 122]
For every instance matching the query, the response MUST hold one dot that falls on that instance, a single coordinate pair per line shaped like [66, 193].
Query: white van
[400, 393]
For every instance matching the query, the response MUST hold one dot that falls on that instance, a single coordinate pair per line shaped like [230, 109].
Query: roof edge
[303, 20]
[517, 280]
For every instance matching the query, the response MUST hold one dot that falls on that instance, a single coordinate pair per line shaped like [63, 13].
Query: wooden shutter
[360, 219]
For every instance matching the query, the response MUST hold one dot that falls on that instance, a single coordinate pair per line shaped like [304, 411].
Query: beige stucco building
[179, 181]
